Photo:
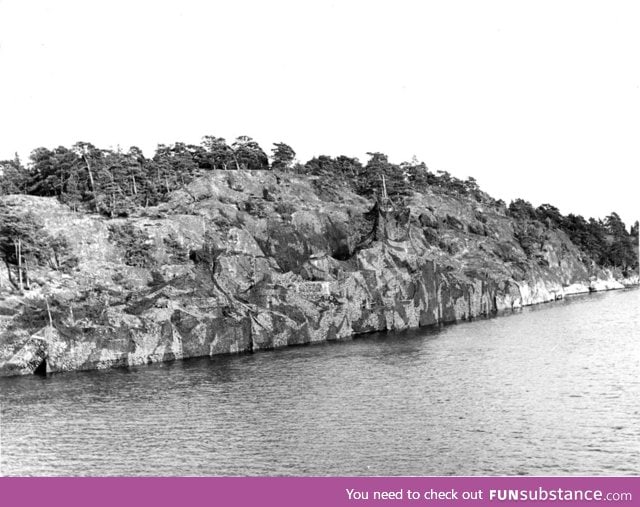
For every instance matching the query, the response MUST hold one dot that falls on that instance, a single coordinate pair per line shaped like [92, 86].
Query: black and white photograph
[319, 239]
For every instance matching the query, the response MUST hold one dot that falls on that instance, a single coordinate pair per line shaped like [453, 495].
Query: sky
[535, 99]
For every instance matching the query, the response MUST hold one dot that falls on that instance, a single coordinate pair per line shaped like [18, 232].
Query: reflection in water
[549, 390]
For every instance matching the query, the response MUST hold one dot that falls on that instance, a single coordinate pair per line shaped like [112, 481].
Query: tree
[370, 180]
[321, 165]
[13, 177]
[444, 179]
[522, 210]
[282, 156]
[168, 166]
[615, 226]
[90, 157]
[24, 243]
[620, 252]
[550, 215]
[45, 179]
[471, 184]
[418, 174]
[396, 180]
[248, 154]
[219, 154]
[173, 166]
[589, 236]
[451, 184]
[113, 176]
[135, 162]
[348, 166]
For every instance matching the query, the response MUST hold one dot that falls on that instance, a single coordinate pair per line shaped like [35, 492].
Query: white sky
[535, 99]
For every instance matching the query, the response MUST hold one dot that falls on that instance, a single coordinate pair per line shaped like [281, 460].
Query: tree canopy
[114, 183]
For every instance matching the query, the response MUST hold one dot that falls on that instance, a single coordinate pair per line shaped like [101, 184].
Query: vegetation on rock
[25, 243]
[134, 243]
[118, 183]
[607, 242]
[121, 260]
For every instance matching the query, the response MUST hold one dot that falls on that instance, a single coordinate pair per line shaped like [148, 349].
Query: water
[551, 390]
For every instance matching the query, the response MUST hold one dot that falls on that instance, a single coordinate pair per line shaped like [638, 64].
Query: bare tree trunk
[86, 161]
[135, 189]
[26, 275]
[18, 248]
[9, 272]
[49, 312]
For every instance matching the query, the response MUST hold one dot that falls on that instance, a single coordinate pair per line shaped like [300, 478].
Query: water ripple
[547, 391]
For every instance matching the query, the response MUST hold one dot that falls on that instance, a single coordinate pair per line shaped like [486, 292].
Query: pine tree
[282, 156]
[13, 177]
[249, 155]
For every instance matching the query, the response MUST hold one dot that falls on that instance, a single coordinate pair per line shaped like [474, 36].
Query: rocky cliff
[240, 261]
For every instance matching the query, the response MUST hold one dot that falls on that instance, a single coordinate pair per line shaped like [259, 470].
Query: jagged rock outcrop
[244, 261]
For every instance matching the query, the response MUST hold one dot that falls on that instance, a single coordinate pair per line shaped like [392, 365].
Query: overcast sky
[537, 99]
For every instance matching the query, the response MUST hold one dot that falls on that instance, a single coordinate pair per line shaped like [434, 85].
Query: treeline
[116, 183]
[607, 241]
[400, 179]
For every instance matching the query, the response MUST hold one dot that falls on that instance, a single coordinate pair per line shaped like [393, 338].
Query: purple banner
[312, 492]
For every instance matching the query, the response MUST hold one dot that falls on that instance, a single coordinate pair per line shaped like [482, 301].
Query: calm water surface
[551, 390]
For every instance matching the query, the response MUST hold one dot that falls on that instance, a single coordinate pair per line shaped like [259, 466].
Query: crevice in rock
[41, 370]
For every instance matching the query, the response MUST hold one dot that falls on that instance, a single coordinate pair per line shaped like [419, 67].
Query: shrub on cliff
[134, 244]
[25, 244]
[530, 235]
[285, 209]
[176, 251]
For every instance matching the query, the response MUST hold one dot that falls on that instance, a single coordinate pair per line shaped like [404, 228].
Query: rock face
[244, 261]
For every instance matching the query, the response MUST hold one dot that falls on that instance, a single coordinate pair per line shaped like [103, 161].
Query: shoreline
[244, 261]
[31, 359]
